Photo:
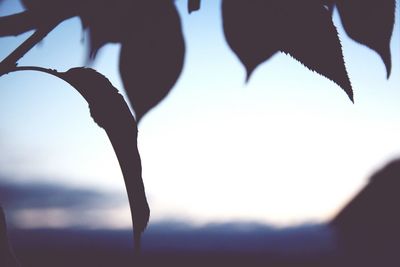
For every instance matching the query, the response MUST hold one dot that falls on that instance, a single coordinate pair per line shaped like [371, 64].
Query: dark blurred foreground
[208, 246]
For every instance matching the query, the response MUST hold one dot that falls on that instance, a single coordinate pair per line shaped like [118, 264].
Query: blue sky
[289, 138]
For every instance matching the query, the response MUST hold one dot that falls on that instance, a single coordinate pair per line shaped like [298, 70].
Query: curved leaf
[370, 22]
[193, 5]
[151, 59]
[256, 30]
[110, 111]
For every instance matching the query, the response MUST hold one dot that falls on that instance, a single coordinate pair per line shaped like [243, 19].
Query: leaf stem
[52, 72]
[35, 68]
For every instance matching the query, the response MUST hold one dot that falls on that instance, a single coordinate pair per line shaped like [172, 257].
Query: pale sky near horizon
[290, 139]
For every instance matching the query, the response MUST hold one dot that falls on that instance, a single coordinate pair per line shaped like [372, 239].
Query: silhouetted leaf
[110, 111]
[151, 58]
[256, 30]
[193, 5]
[152, 49]
[370, 22]
[312, 39]
[250, 31]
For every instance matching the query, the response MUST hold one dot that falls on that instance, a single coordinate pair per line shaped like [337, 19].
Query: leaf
[256, 30]
[110, 111]
[370, 22]
[152, 49]
[193, 5]
[151, 60]
[312, 38]
[249, 31]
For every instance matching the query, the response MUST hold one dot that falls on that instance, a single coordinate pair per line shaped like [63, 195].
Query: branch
[34, 68]
[10, 62]
[17, 24]
[26, 21]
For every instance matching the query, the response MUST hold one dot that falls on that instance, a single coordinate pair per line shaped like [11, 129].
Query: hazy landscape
[364, 232]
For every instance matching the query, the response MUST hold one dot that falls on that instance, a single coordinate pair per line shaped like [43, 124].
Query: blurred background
[283, 153]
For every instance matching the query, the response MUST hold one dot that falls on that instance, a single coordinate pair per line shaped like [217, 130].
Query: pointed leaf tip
[249, 72]
[370, 22]
[193, 5]
[249, 29]
[386, 57]
[350, 94]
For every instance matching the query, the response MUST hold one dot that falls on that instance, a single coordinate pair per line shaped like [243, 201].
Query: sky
[289, 139]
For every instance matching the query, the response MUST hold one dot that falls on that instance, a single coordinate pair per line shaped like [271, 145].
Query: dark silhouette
[153, 47]
[150, 32]
[256, 30]
[368, 227]
[151, 58]
[370, 23]
[219, 245]
[105, 105]
[152, 55]
[7, 258]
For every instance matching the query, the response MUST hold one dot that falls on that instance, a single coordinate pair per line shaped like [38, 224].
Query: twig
[10, 62]
[35, 68]
[17, 24]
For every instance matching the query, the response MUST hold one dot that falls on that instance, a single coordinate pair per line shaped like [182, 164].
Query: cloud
[42, 195]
